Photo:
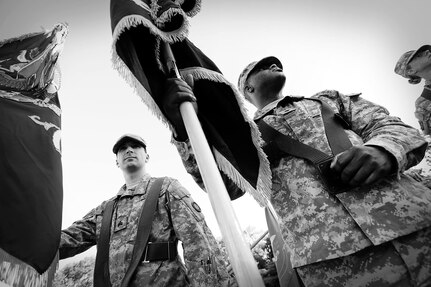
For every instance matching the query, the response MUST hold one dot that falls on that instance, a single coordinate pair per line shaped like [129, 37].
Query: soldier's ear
[116, 162]
[249, 89]
[147, 158]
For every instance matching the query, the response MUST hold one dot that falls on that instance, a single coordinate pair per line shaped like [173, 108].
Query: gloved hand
[363, 165]
[177, 91]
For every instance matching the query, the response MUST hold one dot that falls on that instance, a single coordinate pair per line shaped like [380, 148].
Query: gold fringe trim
[15, 272]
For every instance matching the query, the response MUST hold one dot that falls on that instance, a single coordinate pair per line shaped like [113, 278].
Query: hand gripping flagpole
[240, 256]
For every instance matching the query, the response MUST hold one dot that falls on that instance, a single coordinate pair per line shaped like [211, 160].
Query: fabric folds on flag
[31, 192]
[139, 29]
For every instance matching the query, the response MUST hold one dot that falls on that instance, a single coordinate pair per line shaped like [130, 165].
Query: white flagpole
[240, 256]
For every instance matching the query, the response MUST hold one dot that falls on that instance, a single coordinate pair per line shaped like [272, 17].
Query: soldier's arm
[203, 258]
[80, 236]
[379, 129]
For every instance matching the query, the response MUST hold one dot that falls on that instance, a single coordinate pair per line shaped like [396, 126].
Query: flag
[139, 29]
[31, 193]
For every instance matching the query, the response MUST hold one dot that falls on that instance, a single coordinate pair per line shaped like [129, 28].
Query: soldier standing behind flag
[354, 218]
[176, 217]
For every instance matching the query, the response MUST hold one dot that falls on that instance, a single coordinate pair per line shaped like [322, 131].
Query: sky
[345, 45]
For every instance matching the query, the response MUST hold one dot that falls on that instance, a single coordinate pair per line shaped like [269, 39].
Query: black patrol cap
[128, 137]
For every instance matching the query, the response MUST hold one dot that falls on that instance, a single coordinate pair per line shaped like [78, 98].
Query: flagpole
[240, 255]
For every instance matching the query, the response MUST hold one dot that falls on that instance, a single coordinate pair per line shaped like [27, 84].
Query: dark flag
[139, 30]
[31, 192]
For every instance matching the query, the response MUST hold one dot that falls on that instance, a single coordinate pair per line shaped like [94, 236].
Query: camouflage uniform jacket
[423, 110]
[177, 217]
[318, 226]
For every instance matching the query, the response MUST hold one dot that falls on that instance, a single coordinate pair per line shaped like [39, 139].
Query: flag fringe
[262, 193]
[15, 272]
[195, 10]
[136, 20]
[128, 76]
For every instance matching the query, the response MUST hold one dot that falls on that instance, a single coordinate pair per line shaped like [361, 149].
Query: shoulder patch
[196, 207]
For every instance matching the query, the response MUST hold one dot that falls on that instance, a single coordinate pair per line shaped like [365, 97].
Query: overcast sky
[350, 46]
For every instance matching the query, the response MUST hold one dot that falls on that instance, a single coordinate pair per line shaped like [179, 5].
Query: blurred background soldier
[176, 217]
[415, 65]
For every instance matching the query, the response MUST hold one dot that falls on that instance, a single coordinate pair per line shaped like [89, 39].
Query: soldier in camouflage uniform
[375, 234]
[177, 217]
[415, 65]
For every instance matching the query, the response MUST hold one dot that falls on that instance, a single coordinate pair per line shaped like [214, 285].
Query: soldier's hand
[177, 91]
[363, 165]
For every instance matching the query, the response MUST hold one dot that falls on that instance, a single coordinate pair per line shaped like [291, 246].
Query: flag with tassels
[150, 44]
[139, 30]
[31, 192]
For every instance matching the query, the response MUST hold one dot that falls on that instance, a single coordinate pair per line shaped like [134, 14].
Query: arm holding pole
[241, 258]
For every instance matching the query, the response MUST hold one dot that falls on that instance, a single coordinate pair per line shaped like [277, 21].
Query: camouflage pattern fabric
[422, 172]
[405, 261]
[318, 226]
[423, 110]
[204, 262]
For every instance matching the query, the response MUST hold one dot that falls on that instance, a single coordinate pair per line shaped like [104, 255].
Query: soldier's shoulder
[174, 188]
[334, 94]
[101, 207]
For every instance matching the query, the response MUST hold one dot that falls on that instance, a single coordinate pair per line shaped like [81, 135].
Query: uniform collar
[269, 107]
[139, 189]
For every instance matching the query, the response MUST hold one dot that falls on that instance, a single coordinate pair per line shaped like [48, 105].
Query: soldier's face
[266, 79]
[131, 156]
[420, 65]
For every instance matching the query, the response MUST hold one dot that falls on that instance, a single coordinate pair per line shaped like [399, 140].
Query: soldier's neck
[132, 179]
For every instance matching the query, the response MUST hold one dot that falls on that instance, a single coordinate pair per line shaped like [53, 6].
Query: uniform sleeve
[189, 161]
[80, 236]
[377, 127]
[204, 260]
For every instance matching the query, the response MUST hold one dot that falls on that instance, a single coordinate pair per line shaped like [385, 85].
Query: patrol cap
[405, 59]
[128, 137]
[267, 61]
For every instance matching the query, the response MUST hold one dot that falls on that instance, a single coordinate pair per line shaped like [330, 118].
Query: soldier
[353, 218]
[176, 217]
[415, 65]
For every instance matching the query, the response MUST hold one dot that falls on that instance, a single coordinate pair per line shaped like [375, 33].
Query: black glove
[176, 91]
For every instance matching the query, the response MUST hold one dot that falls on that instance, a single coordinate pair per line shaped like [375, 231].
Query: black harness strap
[101, 268]
[279, 144]
[144, 229]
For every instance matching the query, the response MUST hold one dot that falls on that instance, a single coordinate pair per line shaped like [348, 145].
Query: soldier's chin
[278, 82]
